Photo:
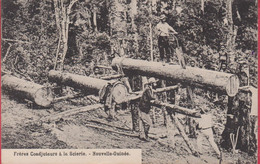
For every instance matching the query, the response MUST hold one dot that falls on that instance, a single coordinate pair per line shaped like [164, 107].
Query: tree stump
[238, 116]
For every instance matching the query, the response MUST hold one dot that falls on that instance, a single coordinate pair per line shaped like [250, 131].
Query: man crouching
[145, 107]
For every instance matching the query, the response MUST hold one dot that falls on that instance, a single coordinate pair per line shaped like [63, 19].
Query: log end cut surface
[119, 93]
[232, 86]
[44, 97]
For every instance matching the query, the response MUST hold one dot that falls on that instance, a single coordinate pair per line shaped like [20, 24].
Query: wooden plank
[176, 108]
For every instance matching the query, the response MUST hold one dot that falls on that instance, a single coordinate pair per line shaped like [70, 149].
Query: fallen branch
[184, 136]
[93, 101]
[117, 132]
[19, 72]
[22, 74]
[7, 52]
[71, 112]
[94, 98]
[105, 67]
[14, 40]
[67, 97]
[3, 72]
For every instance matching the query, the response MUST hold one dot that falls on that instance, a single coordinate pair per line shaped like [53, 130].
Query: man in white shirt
[205, 129]
[163, 29]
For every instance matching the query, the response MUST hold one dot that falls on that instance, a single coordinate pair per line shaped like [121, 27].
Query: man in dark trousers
[163, 29]
[145, 107]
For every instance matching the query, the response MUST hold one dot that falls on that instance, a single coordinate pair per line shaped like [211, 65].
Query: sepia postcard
[129, 81]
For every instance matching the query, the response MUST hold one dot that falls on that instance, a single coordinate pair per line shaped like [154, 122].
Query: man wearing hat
[204, 127]
[145, 107]
[163, 40]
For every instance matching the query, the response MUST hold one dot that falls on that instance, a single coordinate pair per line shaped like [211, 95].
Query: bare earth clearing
[20, 129]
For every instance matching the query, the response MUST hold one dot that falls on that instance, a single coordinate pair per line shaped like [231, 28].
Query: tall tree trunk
[133, 12]
[62, 12]
[151, 32]
[229, 44]
[202, 6]
[95, 18]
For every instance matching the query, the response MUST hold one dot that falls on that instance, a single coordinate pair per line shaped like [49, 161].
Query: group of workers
[204, 124]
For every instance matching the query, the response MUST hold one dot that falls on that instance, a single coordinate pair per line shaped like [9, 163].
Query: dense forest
[76, 34]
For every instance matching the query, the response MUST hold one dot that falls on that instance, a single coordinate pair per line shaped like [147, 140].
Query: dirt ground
[92, 130]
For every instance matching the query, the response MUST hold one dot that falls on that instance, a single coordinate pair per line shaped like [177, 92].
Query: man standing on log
[163, 41]
[205, 129]
[145, 107]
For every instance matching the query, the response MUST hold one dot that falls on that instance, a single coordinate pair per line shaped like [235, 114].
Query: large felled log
[23, 89]
[217, 81]
[88, 84]
[176, 108]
